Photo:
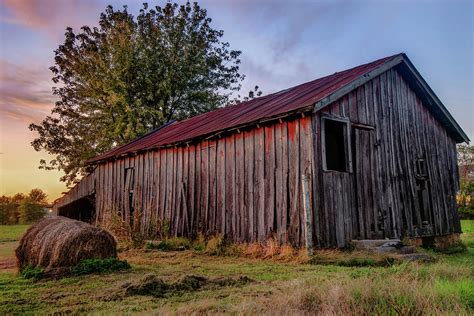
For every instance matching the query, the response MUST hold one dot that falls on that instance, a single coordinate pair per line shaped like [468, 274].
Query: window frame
[347, 146]
[421, 169]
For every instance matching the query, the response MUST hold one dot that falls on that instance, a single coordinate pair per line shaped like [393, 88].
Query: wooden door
[369, 220]
[422, 214]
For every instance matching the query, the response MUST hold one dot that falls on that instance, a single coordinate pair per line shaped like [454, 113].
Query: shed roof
[317, 93]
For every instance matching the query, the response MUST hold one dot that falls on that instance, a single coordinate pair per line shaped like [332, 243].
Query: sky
[283, 43]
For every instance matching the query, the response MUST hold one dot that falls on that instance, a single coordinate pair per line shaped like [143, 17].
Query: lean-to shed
[365, 153]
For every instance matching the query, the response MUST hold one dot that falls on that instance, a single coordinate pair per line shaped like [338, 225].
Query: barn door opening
[82, 209]
[370, 221]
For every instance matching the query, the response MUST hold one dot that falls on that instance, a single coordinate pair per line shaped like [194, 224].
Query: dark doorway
[82, 209]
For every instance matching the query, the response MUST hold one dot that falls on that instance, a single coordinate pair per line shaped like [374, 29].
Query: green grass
[170, 244]
[7, 248]
[12, 232]
[34, 273]
[9, 237]
[467, 226]
[444, 287]
[90, 266]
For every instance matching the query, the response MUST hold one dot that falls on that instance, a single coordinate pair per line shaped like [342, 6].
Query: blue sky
[283, 43]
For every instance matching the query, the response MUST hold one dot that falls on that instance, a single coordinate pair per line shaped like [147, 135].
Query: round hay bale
[58, 242]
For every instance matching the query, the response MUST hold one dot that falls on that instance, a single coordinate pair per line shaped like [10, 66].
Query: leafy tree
[18, 197]
[22, 208]
[30, 211]
[252, 94]
[465, 160]
[38, 196]
[465, 196]
[130, 75]
[8, 214]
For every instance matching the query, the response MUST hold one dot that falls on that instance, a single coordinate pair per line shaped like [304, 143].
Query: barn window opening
[421, 171]
[335, 145]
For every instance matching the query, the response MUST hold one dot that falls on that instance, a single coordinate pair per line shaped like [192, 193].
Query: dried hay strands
[58, 242]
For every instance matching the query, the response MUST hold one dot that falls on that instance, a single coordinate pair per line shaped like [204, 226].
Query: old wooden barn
[365, 153]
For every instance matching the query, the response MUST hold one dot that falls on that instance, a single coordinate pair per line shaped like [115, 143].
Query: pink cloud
[25, 91]
[51, 16]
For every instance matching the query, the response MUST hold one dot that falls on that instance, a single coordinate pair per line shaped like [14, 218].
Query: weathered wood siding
[246, 185]
[403, 131]
[85, 188]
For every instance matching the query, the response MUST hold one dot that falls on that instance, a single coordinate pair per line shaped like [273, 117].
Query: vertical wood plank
[187, 230]
[294, 229]
[279, 193]
[213, 228]
[306, 170]
[241, 219]
[198, 189]
[250, 184]
[230, 186]
[221, 187]
[204, 203]
[192, 188]
[259, 174]
[269, 180]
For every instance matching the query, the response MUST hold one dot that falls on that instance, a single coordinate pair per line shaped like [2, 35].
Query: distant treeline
[23, 208]
[465, 196]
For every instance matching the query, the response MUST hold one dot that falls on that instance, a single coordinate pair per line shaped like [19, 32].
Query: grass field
[445, 286]
[9, 235]
[11, 232]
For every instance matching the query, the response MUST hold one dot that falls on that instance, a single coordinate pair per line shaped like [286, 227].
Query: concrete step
[366, 244]
[387, 246]
[395, 249]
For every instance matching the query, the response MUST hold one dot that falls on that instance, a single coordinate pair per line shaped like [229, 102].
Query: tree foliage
[130, 75]
[37, 196]
[21, 208]
[465, 196]
[30, 211]
[8, 211]
[465, 160]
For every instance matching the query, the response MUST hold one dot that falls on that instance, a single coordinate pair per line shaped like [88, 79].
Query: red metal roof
[272, 105]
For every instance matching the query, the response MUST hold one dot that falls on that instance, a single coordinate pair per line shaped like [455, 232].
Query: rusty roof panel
[272, 105]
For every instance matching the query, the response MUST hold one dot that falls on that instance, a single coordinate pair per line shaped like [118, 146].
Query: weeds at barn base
[458, 247]
[270, 250]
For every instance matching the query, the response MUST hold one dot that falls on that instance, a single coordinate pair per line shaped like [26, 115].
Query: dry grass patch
[351, 258]
[271, 250]
[370, 294]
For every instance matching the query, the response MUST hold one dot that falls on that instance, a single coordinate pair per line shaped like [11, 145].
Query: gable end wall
[404, 130]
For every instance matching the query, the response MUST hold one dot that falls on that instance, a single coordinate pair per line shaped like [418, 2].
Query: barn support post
[308, 220]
